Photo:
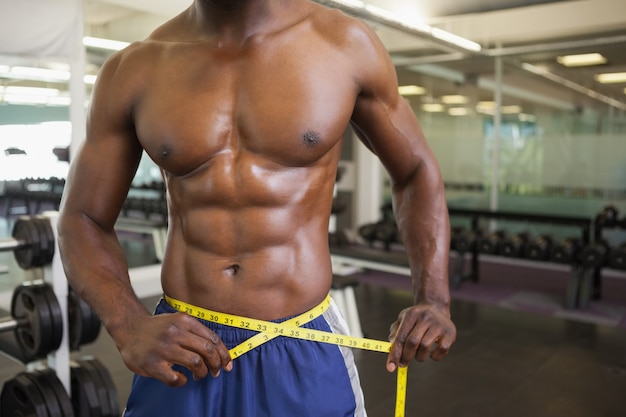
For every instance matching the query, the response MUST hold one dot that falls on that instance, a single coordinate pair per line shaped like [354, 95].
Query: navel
[232, 270]
[311, 138]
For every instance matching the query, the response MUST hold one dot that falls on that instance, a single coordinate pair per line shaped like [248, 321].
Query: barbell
[37, 322]
[32, 242]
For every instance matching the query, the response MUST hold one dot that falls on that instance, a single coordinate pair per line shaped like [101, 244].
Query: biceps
[99, 178]
[393, 133]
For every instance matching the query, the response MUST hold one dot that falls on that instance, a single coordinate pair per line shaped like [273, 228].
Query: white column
[369, 186]
[77, 84]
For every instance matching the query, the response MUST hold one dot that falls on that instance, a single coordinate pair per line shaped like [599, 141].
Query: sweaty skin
[243, 105]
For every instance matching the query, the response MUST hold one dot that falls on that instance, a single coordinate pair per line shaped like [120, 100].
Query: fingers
[202, 349]
[418, 334]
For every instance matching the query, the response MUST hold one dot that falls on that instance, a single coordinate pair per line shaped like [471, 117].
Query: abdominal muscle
[263, 262]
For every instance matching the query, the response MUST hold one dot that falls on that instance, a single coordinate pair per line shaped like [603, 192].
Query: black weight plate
[84, 324]
[47, 239]
[109, 384]
[29, 256]
[84, 395]
[49, 397]
[21, 398]
[59, 390]
[101, 389]
[56, 315]
[75, 320]
[29, 302]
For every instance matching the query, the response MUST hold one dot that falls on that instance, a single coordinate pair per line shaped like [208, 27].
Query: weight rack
[88, 387]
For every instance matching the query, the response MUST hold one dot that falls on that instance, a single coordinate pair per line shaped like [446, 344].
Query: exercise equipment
[595, 255]
[538, 249]
[490, 244]
[514, 246]
[35, 320]
[567, 251]
[617, 259]
[608, 217]
[35, 393]
[33, 242]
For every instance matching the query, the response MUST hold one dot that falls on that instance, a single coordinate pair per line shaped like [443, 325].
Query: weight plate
[26, 231]
[65, 403]
[21, 398]
[84, 325]
[101, 389]
[46, 234]
[84, 395]
[56, 315]
[37, 338]
[47, 393]
[109, 384]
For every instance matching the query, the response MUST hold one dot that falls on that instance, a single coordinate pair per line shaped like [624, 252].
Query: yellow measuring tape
[290, 328]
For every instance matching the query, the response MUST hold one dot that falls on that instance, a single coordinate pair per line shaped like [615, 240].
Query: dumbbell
[490, 244]
[538, 249]
[617, 259]
[514, 246]
[32, 242]
[566, 251]
[595, 255]
[386, 232]
[607, 217]
[463, 240]
[36, 320]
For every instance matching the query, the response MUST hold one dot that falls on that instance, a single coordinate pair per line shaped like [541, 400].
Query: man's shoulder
[340, 28]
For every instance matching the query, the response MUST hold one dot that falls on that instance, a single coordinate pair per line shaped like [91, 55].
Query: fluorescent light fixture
[32, 91]
[455, 39]
[454, 99]
[458, 111]
[40, 74]
[101, 43]
[433, 107]
[611, 78]
[90, 79]
[411, 90]
[489, 107]
[523, 117]
[351, 3]
[624, 90]
[511, 109]
[581, 60]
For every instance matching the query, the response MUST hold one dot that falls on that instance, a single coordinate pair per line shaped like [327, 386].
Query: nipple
[311, 138]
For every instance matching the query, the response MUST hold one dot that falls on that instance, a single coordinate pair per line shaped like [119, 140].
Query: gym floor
[507, 361]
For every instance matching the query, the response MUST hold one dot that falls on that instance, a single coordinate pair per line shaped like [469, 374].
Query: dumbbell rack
[576, 284]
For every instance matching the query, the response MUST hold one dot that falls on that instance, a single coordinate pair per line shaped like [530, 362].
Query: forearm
[422, 216]
[96, 268]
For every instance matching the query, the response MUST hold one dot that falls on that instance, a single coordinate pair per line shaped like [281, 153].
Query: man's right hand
[151, 346]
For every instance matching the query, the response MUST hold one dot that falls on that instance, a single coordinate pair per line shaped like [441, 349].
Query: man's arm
[387, 125]
[95, 264]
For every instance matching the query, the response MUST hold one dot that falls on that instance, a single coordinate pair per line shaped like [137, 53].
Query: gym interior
[523, 103]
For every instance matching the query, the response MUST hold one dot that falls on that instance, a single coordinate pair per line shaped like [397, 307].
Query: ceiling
[514, 32]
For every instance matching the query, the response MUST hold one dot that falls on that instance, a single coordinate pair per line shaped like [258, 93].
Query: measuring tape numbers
[291, 328]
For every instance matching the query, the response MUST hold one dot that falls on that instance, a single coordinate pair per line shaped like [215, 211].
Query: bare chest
[287, 105]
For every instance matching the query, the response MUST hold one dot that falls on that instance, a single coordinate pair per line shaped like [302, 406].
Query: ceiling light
[580, 60]
[511, 109]
[523, 117]
[90, 79]
[458, 111]
[40, 74]
[32, 91]
[624, 90]
[433, 107]
[104, 43]
[611, 77]
[454, 99]
[455, 39]
[411, 90]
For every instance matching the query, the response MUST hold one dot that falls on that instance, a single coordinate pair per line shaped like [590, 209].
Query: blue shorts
[284, 377]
